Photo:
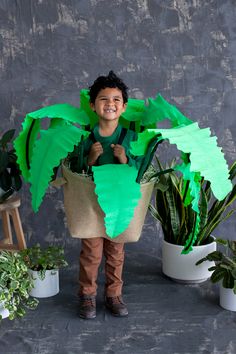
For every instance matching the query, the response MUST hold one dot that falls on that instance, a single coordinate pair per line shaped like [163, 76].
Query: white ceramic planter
[46, 287]
[3, 312]
[227, 299]
[182, 267]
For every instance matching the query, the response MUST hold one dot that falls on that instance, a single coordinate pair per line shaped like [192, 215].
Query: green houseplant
[224, 271]
[172, 207]
[43, 265]
[15, 285]
[10, 179]
[188, 221]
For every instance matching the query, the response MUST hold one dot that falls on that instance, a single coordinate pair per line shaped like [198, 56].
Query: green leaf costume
[40, 150]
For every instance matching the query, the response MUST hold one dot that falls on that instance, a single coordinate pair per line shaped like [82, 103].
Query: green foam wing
[54, 145]
[118, 195]
[206, 157]
[24, 144]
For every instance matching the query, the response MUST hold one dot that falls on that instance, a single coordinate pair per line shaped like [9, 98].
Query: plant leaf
[54, 145]
[218, 274]
[206, 157]
[62, 110]
[25, 141]
[7, 137]
[228, 280]
[118, 195]
[159, 109]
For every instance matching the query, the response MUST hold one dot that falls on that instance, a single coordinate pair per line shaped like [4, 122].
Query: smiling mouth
[109, 110]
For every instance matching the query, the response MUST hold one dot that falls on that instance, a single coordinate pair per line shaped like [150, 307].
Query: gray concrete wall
[185, 50]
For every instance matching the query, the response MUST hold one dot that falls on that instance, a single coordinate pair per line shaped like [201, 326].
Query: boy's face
[109, 104]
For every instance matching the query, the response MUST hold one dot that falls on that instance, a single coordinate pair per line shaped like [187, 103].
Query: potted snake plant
[224, 272]
[188, 224]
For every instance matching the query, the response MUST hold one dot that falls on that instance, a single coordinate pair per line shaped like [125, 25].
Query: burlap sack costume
[85, 217]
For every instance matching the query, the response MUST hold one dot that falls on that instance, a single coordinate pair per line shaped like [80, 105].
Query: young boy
[108, 98]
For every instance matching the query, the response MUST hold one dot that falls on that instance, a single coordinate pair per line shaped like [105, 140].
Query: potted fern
[15, 285]
[43, 266]
[188, 223]
[224, 272]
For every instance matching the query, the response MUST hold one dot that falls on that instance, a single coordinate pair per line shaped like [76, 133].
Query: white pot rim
[173, 245]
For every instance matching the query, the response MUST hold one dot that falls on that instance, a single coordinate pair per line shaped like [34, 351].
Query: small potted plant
[43, 265]
[10, 179]
[224, 271]
[15, 285]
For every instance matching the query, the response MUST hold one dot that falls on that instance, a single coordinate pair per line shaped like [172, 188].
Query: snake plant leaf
[188, 246]
[62, 110]
[206, 157]
[118, 195]
[159, 109]
[24, 144]
[54, 145]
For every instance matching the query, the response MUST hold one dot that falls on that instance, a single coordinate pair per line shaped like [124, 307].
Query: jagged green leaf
[24, 144]
[206, 157]
[118, 195]
[54, 145]
[62, 110]
[159, 109]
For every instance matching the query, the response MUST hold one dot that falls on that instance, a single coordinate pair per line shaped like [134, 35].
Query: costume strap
[121, 137]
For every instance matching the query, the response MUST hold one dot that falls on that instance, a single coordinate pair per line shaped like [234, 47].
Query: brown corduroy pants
[91, 254]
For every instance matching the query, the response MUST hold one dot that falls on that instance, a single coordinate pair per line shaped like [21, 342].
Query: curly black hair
[111, 80]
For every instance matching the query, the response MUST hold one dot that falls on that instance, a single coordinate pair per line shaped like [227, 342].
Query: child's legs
[114, 260]
[90, 259]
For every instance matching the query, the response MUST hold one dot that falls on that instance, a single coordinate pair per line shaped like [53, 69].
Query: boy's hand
[95, 151]
[119, 152]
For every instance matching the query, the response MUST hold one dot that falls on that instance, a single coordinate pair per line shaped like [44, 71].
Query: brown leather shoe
[116, 306]
[87, 309]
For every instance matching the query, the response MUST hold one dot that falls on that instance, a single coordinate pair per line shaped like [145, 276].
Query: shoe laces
[88, 301]
[116, 300]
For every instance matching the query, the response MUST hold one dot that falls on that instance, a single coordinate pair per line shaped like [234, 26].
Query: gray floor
[164, 317]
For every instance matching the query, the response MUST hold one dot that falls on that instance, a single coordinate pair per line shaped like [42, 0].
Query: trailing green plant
[15, 284]
[41, 259]
[186, 207]
[225, 264]
[10, 175]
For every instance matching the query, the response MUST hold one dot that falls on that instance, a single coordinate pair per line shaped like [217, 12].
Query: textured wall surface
[183, 49]
[186, 50]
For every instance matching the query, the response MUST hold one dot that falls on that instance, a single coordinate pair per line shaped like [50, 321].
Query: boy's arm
[119, 153]
[95, 151]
